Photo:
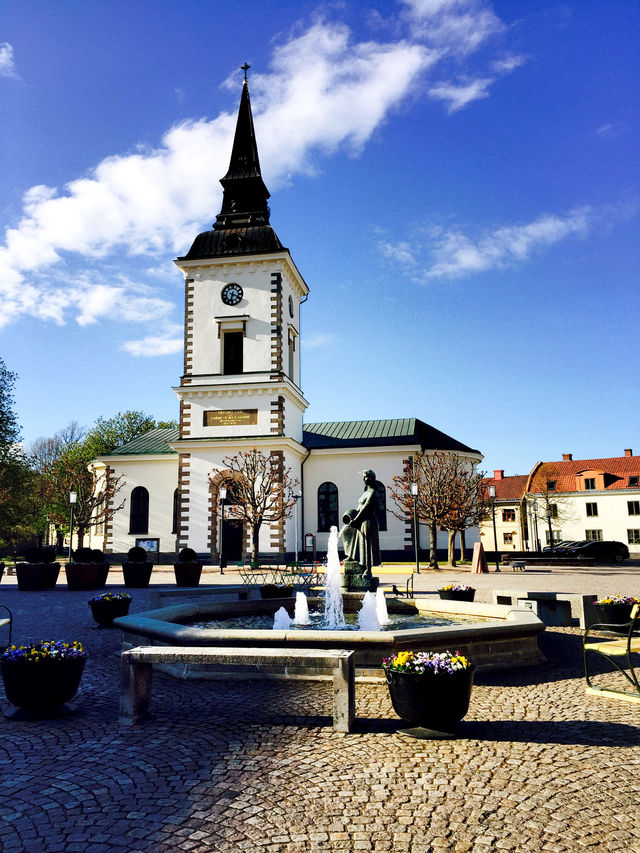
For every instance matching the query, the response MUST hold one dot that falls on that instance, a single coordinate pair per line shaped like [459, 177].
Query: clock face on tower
[231, 294]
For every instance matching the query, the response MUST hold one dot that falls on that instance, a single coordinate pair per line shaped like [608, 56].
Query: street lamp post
[222, 496]
[416, 544]
[73, 497]
[492, 494]
[534, 512]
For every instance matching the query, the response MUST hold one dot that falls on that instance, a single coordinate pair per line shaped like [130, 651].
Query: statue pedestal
[354, 581]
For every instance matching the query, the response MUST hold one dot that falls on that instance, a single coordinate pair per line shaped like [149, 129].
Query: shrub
[137, 555]
[187, 555]
[46, 554]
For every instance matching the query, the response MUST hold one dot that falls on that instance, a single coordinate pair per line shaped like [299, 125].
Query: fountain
[281, 620]
[381, 607]
[301, 613]
[333, 607]
[368, 616]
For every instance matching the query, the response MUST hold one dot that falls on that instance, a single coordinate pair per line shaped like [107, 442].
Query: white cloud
[401, 253]
[461, 94]
[455, 255]
[168, 344]
[152, 201]
[317, 341]
[457, 26]
[508, 63]
[7, 67]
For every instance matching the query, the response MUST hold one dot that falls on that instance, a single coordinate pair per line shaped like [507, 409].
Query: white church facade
[240, 390]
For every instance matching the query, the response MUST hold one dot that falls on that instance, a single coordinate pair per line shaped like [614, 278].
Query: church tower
[241, 383]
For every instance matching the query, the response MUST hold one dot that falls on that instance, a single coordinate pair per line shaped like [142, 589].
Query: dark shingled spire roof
[242, 226]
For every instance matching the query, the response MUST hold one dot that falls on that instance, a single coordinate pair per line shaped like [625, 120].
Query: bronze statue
[360, 532]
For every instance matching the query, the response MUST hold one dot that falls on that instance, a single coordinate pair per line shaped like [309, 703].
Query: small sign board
[231, 417]
[309, 542]
[152, 547]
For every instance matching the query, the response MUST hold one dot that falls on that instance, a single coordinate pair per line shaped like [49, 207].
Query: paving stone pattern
[256, 766]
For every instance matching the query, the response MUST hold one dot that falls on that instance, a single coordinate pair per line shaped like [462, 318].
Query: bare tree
[434, 475]
[553, 506]
[470, 505]
[263, 490]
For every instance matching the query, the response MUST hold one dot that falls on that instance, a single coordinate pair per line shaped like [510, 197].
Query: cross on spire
[245, 68]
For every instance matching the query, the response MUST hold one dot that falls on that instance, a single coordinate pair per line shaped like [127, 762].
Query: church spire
[242, 226]
[244, 202]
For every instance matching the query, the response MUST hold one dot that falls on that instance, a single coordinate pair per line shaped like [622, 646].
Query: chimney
[628, 451]
[567, 457]
[498, 475]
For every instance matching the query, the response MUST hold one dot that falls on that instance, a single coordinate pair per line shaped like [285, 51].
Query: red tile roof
[509, 488]
[616, 469]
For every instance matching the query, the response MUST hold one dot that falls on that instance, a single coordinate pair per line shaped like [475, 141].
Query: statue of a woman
[360, 533]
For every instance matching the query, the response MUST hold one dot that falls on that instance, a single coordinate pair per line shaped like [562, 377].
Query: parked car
[608, 551]
[562, 547]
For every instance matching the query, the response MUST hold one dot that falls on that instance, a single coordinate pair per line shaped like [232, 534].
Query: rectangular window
[232, 352]
[593, 535]
[633, 507]
[508, 515]
[551, 485]
[634, 481]
[592, 509]
[554, 510]
[633, 537]
[589, 483]
[557, 536]
[507, 538]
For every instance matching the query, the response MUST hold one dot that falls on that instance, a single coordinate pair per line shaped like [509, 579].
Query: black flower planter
[104, 612]
[615, 614]
[436, 702]
[36, 576]
[137, 575]
[86, 575]
[457, 595]
[187, 574]
[272, 590]
[44, 686]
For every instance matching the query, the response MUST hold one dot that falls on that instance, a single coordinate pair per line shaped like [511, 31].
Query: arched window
[381, 494]
[327, 506]
[176, 510]
[139, 512]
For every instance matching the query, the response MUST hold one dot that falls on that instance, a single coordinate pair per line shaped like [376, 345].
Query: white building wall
[159, 475]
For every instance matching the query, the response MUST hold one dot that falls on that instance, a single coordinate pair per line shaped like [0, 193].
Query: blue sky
[457, 181]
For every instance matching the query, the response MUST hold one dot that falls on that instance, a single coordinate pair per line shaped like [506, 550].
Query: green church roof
[154, 441]
[337, 434]
[379, 433]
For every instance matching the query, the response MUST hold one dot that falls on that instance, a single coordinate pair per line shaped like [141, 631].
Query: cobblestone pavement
[247, 766]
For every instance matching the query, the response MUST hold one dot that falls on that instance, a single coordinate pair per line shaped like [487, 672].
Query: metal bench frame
[615, 648]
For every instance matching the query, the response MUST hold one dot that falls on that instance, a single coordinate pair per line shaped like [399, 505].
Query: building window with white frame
[633, 507]
[593, 535]
[592, 509]
[633, 537]
[557, 537]
[508, 515]
[589, 483]
[507, 538]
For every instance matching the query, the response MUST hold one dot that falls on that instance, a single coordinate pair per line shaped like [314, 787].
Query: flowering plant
[618, 599]
[426, 662]
[110, 596]
[44, 650]
[455, 587]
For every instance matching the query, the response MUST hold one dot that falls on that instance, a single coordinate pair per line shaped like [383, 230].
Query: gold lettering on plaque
[231, 417]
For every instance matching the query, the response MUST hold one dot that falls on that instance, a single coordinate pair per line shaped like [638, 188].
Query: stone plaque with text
[231, 417]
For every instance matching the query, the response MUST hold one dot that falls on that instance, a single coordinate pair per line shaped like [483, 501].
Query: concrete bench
[583, 604]
[136, 671]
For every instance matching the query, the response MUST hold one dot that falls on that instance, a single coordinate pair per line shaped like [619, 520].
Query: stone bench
[583, 604]
[136, 671]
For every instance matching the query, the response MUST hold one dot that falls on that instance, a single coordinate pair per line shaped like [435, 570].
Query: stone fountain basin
[502, 637]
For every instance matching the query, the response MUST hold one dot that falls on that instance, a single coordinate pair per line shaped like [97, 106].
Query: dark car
[608, 551]
[562, 547]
